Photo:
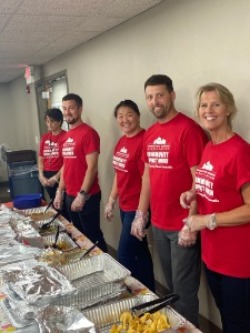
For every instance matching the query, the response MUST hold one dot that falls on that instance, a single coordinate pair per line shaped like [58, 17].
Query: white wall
[193, 41]
[18, 118]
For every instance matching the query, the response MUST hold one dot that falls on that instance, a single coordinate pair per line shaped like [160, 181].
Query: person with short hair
[171, 151]
[222, 196]
[128, 165]
[50, 158]
[79, 176]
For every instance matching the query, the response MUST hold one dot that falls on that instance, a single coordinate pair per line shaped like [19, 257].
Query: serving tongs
[89, 250]
[54, 246]
[47, 224]
[49, 205]
[141, 309]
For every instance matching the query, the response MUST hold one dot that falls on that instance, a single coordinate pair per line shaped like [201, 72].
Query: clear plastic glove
[52, 181]
[186, 198]
[138, 225]
[78, 203]
[186, 237]
[43, 180]
[197, 222]
[58, 201]
[108, 210]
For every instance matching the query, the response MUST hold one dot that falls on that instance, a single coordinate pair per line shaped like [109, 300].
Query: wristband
[84, 194]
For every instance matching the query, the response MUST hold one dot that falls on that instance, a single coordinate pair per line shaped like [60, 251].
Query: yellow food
[148, 323]
[41, 216]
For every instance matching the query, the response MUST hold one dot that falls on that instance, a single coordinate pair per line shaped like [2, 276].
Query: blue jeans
[232, 297]
[88, 220]
[134, 254]
[181, 268]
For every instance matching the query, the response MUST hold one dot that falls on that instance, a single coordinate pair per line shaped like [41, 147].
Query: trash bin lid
[27, 201]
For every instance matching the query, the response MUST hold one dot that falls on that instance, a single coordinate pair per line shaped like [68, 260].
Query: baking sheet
[107, 315]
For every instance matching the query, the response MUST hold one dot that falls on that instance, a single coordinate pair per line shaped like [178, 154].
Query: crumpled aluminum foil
[58, 319]
[35, 283]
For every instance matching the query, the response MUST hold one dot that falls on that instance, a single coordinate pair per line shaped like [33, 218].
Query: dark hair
[74, 97]
[55, 114]
[157, 79]
[127, 103]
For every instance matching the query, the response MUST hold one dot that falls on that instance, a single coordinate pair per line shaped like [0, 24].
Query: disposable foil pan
[65, 243]
[17, 321]
[94, 271]
[107, 315]
[91, 296]
[52, 229]
[37, 210]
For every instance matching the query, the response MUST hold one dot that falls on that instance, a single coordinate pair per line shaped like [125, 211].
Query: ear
[173, 95]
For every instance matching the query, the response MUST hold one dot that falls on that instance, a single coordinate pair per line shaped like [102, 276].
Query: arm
[55, 179]
[140, 220]
[60, 192]
[90, 175]
[44, 181]
[234, 217]
[108, 212]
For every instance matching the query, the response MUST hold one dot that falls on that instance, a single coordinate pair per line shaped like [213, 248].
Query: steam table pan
[105, 316]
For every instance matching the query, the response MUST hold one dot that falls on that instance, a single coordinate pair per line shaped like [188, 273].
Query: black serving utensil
[49, 205]
[56, 238]
[89, 250]
[159, 304]
[47, 224]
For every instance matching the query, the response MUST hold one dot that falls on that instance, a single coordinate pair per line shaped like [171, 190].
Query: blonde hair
[225, 96]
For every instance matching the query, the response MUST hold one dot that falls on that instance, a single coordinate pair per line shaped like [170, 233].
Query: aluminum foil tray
[94, 271]
[52, 228]
[65, 243]
[107, 315]
[36, 210]
[91, 296]
[16, 321]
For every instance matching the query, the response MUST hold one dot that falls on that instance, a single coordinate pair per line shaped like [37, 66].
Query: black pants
[88, 220]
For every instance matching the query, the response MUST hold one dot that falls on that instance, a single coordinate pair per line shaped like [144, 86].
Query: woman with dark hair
[50, 157]
[132, 253]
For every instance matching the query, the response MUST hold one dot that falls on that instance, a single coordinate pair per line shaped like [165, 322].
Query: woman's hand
[197, 222]
[186, 198]
[186, 237]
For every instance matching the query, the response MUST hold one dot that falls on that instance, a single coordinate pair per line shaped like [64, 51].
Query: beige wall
[193, 41]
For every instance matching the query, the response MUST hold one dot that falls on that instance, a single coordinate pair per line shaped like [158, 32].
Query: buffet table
[83, 242]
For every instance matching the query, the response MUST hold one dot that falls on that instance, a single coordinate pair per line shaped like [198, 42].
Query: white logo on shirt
[124, 150]
[207, 166]
[159, 141]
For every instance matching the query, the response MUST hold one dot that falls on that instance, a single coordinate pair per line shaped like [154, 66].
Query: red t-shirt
[171, 149]
[129, 168]
[80, 141]
[223, 170]
[51, 150]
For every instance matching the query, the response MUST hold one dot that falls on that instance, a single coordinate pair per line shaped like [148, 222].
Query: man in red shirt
[79, 175]
[171, 151]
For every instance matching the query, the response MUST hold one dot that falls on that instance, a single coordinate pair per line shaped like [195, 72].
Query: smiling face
[213, 113]
[128, 120]
[160, 102]
[71, 112]
[53, 125]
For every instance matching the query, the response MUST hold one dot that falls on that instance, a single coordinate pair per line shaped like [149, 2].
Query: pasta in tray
[148, 323]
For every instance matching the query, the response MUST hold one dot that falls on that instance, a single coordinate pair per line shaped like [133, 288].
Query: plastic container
[27, 201]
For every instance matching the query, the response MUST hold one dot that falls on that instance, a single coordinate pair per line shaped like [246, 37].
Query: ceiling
[33, 32]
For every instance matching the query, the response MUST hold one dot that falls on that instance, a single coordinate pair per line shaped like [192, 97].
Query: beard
[161, 111]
